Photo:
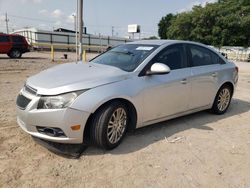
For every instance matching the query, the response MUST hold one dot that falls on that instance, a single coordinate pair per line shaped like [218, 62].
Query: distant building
[64, 30]
[69, 31]
[65, 37]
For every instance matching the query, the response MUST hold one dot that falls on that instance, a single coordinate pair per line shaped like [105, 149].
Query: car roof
[163, 42]
[168, 42]
[5, 34]
[151, 42]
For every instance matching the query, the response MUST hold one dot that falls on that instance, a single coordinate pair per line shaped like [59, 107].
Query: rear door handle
[214, 74]
[184, 81]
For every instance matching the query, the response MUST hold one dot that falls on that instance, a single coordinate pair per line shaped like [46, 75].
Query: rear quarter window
[216, 59]
[17, 39]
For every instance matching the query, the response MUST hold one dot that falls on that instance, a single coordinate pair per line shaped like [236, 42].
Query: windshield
[126, 57]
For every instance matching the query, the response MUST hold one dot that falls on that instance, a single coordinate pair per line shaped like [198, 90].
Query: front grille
[22, 101]
[30, 89]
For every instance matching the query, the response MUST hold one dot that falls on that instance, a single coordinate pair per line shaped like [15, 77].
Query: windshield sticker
[145, 48]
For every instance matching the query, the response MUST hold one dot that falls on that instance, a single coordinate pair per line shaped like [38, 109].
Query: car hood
[73, 77]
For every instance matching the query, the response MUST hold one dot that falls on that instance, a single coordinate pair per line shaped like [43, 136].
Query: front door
[5, 44]
[168, 94]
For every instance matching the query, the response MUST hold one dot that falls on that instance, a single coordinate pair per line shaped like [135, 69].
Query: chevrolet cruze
[130, 86]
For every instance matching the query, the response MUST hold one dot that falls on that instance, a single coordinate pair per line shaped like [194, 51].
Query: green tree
[226, 22]
[164, 24]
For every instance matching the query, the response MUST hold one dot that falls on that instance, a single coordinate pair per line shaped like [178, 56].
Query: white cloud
[57, 13]
[43, 12]
[43, 26]
[2, 18]
[58, 23]
[190, 6]
[195, 3]
[32, 1]
[71, 18]
[208, 1]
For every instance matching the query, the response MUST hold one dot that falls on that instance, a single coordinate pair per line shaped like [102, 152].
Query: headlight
[58, 101]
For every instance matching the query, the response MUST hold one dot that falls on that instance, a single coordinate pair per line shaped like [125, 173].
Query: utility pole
[112, 31]
[6, 21]
[80, 26]
[76, 29]
[76, 39]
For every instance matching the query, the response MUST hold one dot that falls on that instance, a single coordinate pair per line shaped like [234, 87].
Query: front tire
[110, 125]
[222, 100]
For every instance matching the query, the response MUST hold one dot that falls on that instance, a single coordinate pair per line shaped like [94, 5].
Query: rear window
[4, 38]
[17, 39]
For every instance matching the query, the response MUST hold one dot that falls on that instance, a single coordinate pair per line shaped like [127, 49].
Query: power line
[117, 27]
[28, 18]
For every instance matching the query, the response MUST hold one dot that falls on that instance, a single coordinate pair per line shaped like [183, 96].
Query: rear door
[204, 69]
[18, 42]
[5, 44]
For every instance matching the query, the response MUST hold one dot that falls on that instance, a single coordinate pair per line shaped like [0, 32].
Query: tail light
[237, 69]
[236, 74]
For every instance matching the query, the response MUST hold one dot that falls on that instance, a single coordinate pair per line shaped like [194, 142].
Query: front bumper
[30, 118]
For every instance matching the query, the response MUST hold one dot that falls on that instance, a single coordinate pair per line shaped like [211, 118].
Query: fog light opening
[55, 132]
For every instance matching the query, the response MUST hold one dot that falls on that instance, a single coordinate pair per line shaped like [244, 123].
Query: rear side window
[4, 39]
[172, 56]
[17, 39]
[200, 56]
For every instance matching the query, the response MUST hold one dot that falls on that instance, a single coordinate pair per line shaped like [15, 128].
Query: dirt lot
[199, 150]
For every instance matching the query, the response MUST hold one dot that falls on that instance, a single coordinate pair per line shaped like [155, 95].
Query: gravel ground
[198, 150]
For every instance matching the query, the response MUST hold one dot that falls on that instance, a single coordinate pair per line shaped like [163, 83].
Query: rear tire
[222, 100]
[15, 53]
[109, 125]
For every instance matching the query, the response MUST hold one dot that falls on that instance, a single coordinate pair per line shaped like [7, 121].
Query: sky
[99, 15]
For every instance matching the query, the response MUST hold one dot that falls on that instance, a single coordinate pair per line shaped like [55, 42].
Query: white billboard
[134, 28]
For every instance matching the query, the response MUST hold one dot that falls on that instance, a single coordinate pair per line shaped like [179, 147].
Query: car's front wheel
[109, 125]
[222, 100]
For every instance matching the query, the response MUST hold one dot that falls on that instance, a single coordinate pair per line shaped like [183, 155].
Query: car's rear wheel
[109, 125]
[15, 53]
[222, 100]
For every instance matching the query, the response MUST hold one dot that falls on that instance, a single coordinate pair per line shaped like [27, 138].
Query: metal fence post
[89, 42]
[84, 56]
[52, 54]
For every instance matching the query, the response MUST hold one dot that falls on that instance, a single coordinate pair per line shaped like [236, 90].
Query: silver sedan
[127, 87]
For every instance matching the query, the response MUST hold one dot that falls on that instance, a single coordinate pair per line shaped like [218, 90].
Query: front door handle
[214, 74]
[184, 81]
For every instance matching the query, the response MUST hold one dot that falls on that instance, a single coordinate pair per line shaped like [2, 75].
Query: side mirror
[158, 68]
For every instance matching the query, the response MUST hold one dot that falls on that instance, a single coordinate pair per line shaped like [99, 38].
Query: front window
[126, 57]
[173, 56]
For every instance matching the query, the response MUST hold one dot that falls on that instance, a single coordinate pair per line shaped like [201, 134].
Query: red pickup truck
[13, 45]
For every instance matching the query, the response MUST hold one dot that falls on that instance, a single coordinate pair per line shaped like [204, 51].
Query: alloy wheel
[117, 125]
[224, 99]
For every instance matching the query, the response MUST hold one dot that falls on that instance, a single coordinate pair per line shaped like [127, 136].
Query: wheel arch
[228, 83]
[132, 112]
